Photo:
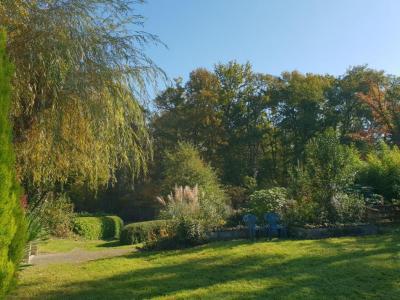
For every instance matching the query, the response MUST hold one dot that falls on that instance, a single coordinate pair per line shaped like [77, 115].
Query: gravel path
[77, 256]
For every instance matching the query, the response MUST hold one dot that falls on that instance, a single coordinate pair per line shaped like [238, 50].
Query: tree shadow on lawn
[360, 273]
[110, 244]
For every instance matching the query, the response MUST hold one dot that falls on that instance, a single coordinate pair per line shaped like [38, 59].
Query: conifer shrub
[12, 219]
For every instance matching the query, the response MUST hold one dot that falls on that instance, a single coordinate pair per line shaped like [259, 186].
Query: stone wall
[299, 232]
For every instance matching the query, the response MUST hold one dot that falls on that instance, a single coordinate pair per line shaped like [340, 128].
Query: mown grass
[340, 268]
[54, 245]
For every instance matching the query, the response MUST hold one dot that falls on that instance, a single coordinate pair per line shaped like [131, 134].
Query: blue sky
[320, 36]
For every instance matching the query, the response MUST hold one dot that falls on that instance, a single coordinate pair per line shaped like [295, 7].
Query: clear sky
[320, 36]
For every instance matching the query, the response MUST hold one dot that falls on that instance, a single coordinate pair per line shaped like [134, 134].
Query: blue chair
[250, 220]
[273, 225]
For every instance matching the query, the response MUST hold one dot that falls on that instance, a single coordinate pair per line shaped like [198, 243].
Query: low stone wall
[239, 232]
[334, 231]
[299, 232]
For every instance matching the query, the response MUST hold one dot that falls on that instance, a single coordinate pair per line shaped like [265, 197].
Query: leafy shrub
[329, 169]
[270, 200]
[140, 232]
[12, 220]
[57, 214]
[349, 208]
[381, 171]
[96, 228]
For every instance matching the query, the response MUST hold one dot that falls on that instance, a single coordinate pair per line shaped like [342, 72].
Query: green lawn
[65, 245]
[340, 268]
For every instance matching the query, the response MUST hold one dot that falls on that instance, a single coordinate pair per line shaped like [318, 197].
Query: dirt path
[77, 256]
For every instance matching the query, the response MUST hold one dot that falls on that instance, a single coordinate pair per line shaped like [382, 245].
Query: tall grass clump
[192, 215]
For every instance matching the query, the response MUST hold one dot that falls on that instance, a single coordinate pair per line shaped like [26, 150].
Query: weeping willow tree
[80, 68]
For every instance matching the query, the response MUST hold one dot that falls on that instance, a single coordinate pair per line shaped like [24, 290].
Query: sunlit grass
[341, 268]
[65, 245]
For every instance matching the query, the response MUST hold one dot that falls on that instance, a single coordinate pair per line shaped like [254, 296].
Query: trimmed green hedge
[143, 231]
[96, 228]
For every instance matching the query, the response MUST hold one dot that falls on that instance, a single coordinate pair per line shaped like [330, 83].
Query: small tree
[198, 204]
[329, 169]
[12, 221]
[184, 167]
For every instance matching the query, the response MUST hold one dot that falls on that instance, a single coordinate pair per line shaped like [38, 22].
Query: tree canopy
[80, 67]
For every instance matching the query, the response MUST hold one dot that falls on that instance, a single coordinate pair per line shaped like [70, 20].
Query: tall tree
[298, 104]
[244, 106]
[80, 66]
[346, 112]
[223, 113]
[190, 113]
[384, 103]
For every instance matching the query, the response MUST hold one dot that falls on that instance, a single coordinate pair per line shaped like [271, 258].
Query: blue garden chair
[250, 220]
[273, 225]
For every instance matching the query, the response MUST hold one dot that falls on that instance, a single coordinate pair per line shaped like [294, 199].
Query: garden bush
[140, 232]
[57, 214]
[381, 171]
[96, 228]
[12, 219]
[269, 200]
[329, 170]
[350, 208]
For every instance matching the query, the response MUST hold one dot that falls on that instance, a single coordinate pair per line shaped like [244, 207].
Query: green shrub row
[143, 231]
[96, 228]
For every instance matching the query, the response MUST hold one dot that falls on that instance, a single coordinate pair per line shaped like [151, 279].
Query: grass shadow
[352, 269]
[110, 244]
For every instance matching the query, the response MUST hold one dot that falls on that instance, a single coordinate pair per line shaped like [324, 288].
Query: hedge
[96, 228]
[143, 231]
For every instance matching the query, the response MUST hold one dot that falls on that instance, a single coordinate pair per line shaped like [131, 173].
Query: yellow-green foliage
[184, 167]
[96, 228]
[12, 223]
[382, 172]
[206, 208]
[76, 116]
